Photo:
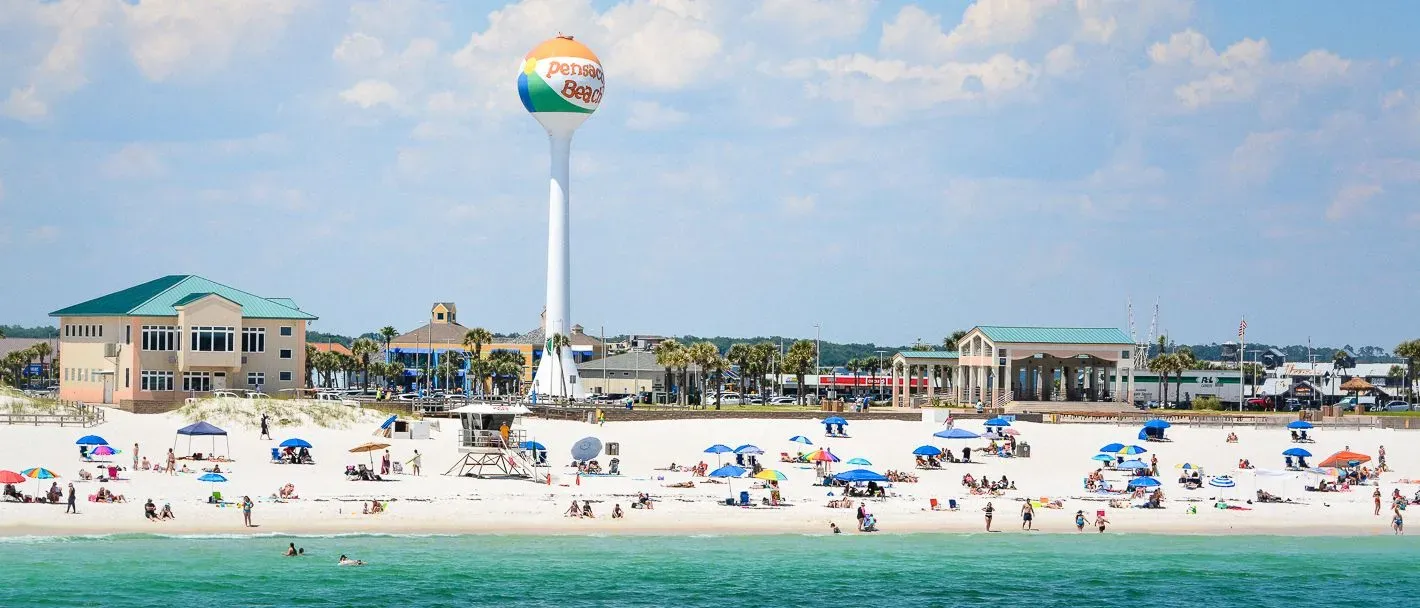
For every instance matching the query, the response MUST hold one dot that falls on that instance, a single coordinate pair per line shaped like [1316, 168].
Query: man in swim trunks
[1027, 514]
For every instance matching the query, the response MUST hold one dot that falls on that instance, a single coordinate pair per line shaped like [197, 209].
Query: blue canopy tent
[1102, 458]
[861, 461]
[832, 421]
[718, 448]
[1157, 423]
[202, 429]
[749, 449]
[955, 434]
[835, 420]
[856, 475]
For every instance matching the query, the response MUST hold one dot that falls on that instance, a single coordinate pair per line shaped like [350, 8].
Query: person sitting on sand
[574, 510]
[1232, 437]
[345, 561]
[85, 475]
[587, 509]
[146, 466]
[644, 500]
[150, 510]
[166, 513]
[616, 513]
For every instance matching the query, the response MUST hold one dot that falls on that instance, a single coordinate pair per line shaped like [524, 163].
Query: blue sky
[891, 170]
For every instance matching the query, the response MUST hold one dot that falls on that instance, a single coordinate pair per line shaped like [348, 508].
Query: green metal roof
[193, 297]
[157, 298]
[928, 354]
[1056, 335]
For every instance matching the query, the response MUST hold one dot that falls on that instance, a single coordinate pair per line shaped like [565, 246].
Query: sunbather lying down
[683, 484]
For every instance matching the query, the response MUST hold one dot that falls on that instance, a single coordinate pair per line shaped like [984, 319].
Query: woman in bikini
[1100, 522]
[990, 510]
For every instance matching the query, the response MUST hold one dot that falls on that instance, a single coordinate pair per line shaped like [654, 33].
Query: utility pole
[878, 372]
[818, 362]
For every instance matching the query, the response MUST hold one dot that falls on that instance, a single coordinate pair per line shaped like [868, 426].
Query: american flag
[1242, 328]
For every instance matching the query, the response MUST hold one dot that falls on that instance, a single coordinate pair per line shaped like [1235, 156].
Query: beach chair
[744, 499]
[216, 498]
[276, 456]
[952, 505]
[933, 502]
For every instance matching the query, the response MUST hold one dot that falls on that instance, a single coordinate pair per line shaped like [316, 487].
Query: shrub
[1207, 402]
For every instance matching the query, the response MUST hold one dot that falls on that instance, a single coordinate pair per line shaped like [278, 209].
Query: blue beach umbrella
[718, 448]
[1298, 452]
[728, 471]
[1130, 450]
[860, 462]
[859, 475]
[1222, 481]
[955, 434]
[295, 443]
[834, 420]
[213, 478]
[748, 449]
[1157, 423]
[1144, 482]
[532, 445]
[925, 450]
[1133, 465]
[1299, 424]
[801, 439]
[1112, 448]
[998, 421]
[91, 440]
[1102, 458]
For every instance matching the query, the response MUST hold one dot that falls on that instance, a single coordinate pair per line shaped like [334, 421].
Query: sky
[889, 171]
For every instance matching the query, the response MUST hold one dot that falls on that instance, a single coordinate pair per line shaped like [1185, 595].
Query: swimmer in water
[345, 561]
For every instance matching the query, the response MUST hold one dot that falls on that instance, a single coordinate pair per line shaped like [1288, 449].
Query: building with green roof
[148, 347]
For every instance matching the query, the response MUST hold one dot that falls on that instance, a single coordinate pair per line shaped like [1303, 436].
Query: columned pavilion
[926, 371]
[997, 365]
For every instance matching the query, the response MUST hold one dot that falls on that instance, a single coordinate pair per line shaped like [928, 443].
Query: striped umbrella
[1222, 481]
[770, 475]
[1130, 450]
[37, 474]
[822, 455]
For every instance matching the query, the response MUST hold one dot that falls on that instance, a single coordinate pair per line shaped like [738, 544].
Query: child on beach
[617, 513]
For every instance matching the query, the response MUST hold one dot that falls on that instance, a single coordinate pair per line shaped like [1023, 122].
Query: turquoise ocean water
[846, 570]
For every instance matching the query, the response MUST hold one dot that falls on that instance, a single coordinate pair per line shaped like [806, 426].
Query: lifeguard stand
[483, 446]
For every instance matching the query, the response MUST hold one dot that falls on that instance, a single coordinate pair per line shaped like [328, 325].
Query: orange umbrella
[1344, 459]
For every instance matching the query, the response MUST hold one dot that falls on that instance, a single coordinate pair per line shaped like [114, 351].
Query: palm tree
[310, 364]
[555, 344]
[855, 366]
[740, 355]
[950, 342]
[1410, 351]
[42, 350]
[1162, 365]
[765, 360]
[506, 367]
[702, 354]
[1183, 361]
[715, 367]
[668, 354]
[800, 361]
[473, 340]
[388, 332]
[363, 349]
[1338, 361]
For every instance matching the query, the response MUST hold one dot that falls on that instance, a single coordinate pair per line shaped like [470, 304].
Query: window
[101, 331]
[149, 380]
[127, 334]
[256, 378]
[159, 337]
[285, 353]
[66, 330]
[285, 330]
[127, 377]
[213, 339]
[253, 339]
[441, 316]
[285, 376]
[196, 382]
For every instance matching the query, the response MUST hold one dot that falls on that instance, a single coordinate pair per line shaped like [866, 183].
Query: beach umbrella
[1222, 481]
[1297, 452]
[213, 478]
[749, 449]
[956, 434]
[1102, 458]
[859, 475]
[37, 474]
[727, 472]
[998, 421]
[924, 450]
[532, 445]
[295, 443]
[822, 456]
[1112, 448]
[103, 450]
[1299, 424]
[1187, 466]
[1011, 432]
[801, 439]
[834, 420]
[718, 448]
[1144, 482]
[770, 475]
[860, 461]
[1157, 423]
[1338, 460]
[11, 477]
[1130, 450]
[1133, 465]
[369, 448]
[91, 440]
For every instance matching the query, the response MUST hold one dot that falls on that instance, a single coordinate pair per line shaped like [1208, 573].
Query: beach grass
[282, 412]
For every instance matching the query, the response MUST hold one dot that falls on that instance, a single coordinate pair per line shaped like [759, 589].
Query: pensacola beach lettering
[571, 89]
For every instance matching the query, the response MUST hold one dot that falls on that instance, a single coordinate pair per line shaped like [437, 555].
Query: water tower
[561, 84]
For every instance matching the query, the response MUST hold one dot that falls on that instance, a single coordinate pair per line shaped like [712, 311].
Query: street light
[878, 372]
[818, 362]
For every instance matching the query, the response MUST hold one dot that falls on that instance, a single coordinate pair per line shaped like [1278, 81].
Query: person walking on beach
[246, 511]
[1154, 465]
[71, 508]
[1027, 514]
[1381, 455]
[1376, 495]
[414, 462]
[1100, 522]
[1397, 522]
[1080, 521]
[135, 456]
[990, 510]
[265, 427]
[862, 514]
[385, 463]
[172, 462]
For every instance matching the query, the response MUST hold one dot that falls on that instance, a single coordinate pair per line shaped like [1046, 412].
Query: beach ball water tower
[561, 84]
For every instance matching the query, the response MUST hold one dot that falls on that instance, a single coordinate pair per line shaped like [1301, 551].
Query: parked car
[783, 400]
[1397, 406]
[1294, 404]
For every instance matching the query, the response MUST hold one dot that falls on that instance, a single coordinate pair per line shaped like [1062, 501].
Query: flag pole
[1242, 348]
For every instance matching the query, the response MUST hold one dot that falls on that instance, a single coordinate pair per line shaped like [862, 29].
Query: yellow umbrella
[369, 448]
[770, 475]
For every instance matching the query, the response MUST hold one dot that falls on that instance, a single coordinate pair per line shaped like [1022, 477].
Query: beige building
[148, 347]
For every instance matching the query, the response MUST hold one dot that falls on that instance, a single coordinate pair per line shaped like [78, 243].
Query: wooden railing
[64, 414]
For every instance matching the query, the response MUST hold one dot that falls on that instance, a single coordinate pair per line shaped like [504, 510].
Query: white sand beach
[437, 504]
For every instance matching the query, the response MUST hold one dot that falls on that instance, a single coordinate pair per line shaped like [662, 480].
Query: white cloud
[650, 116]
[1350, 200]
[881, 90]
[43, 234]
[169, 37]
[1393, 99]
[800, 205]
[371, 93]
[1259, 155]
[134, 161]
[25, 105]
[358, 48]
[1240, 72]
[1061, 61]
[816, 19]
